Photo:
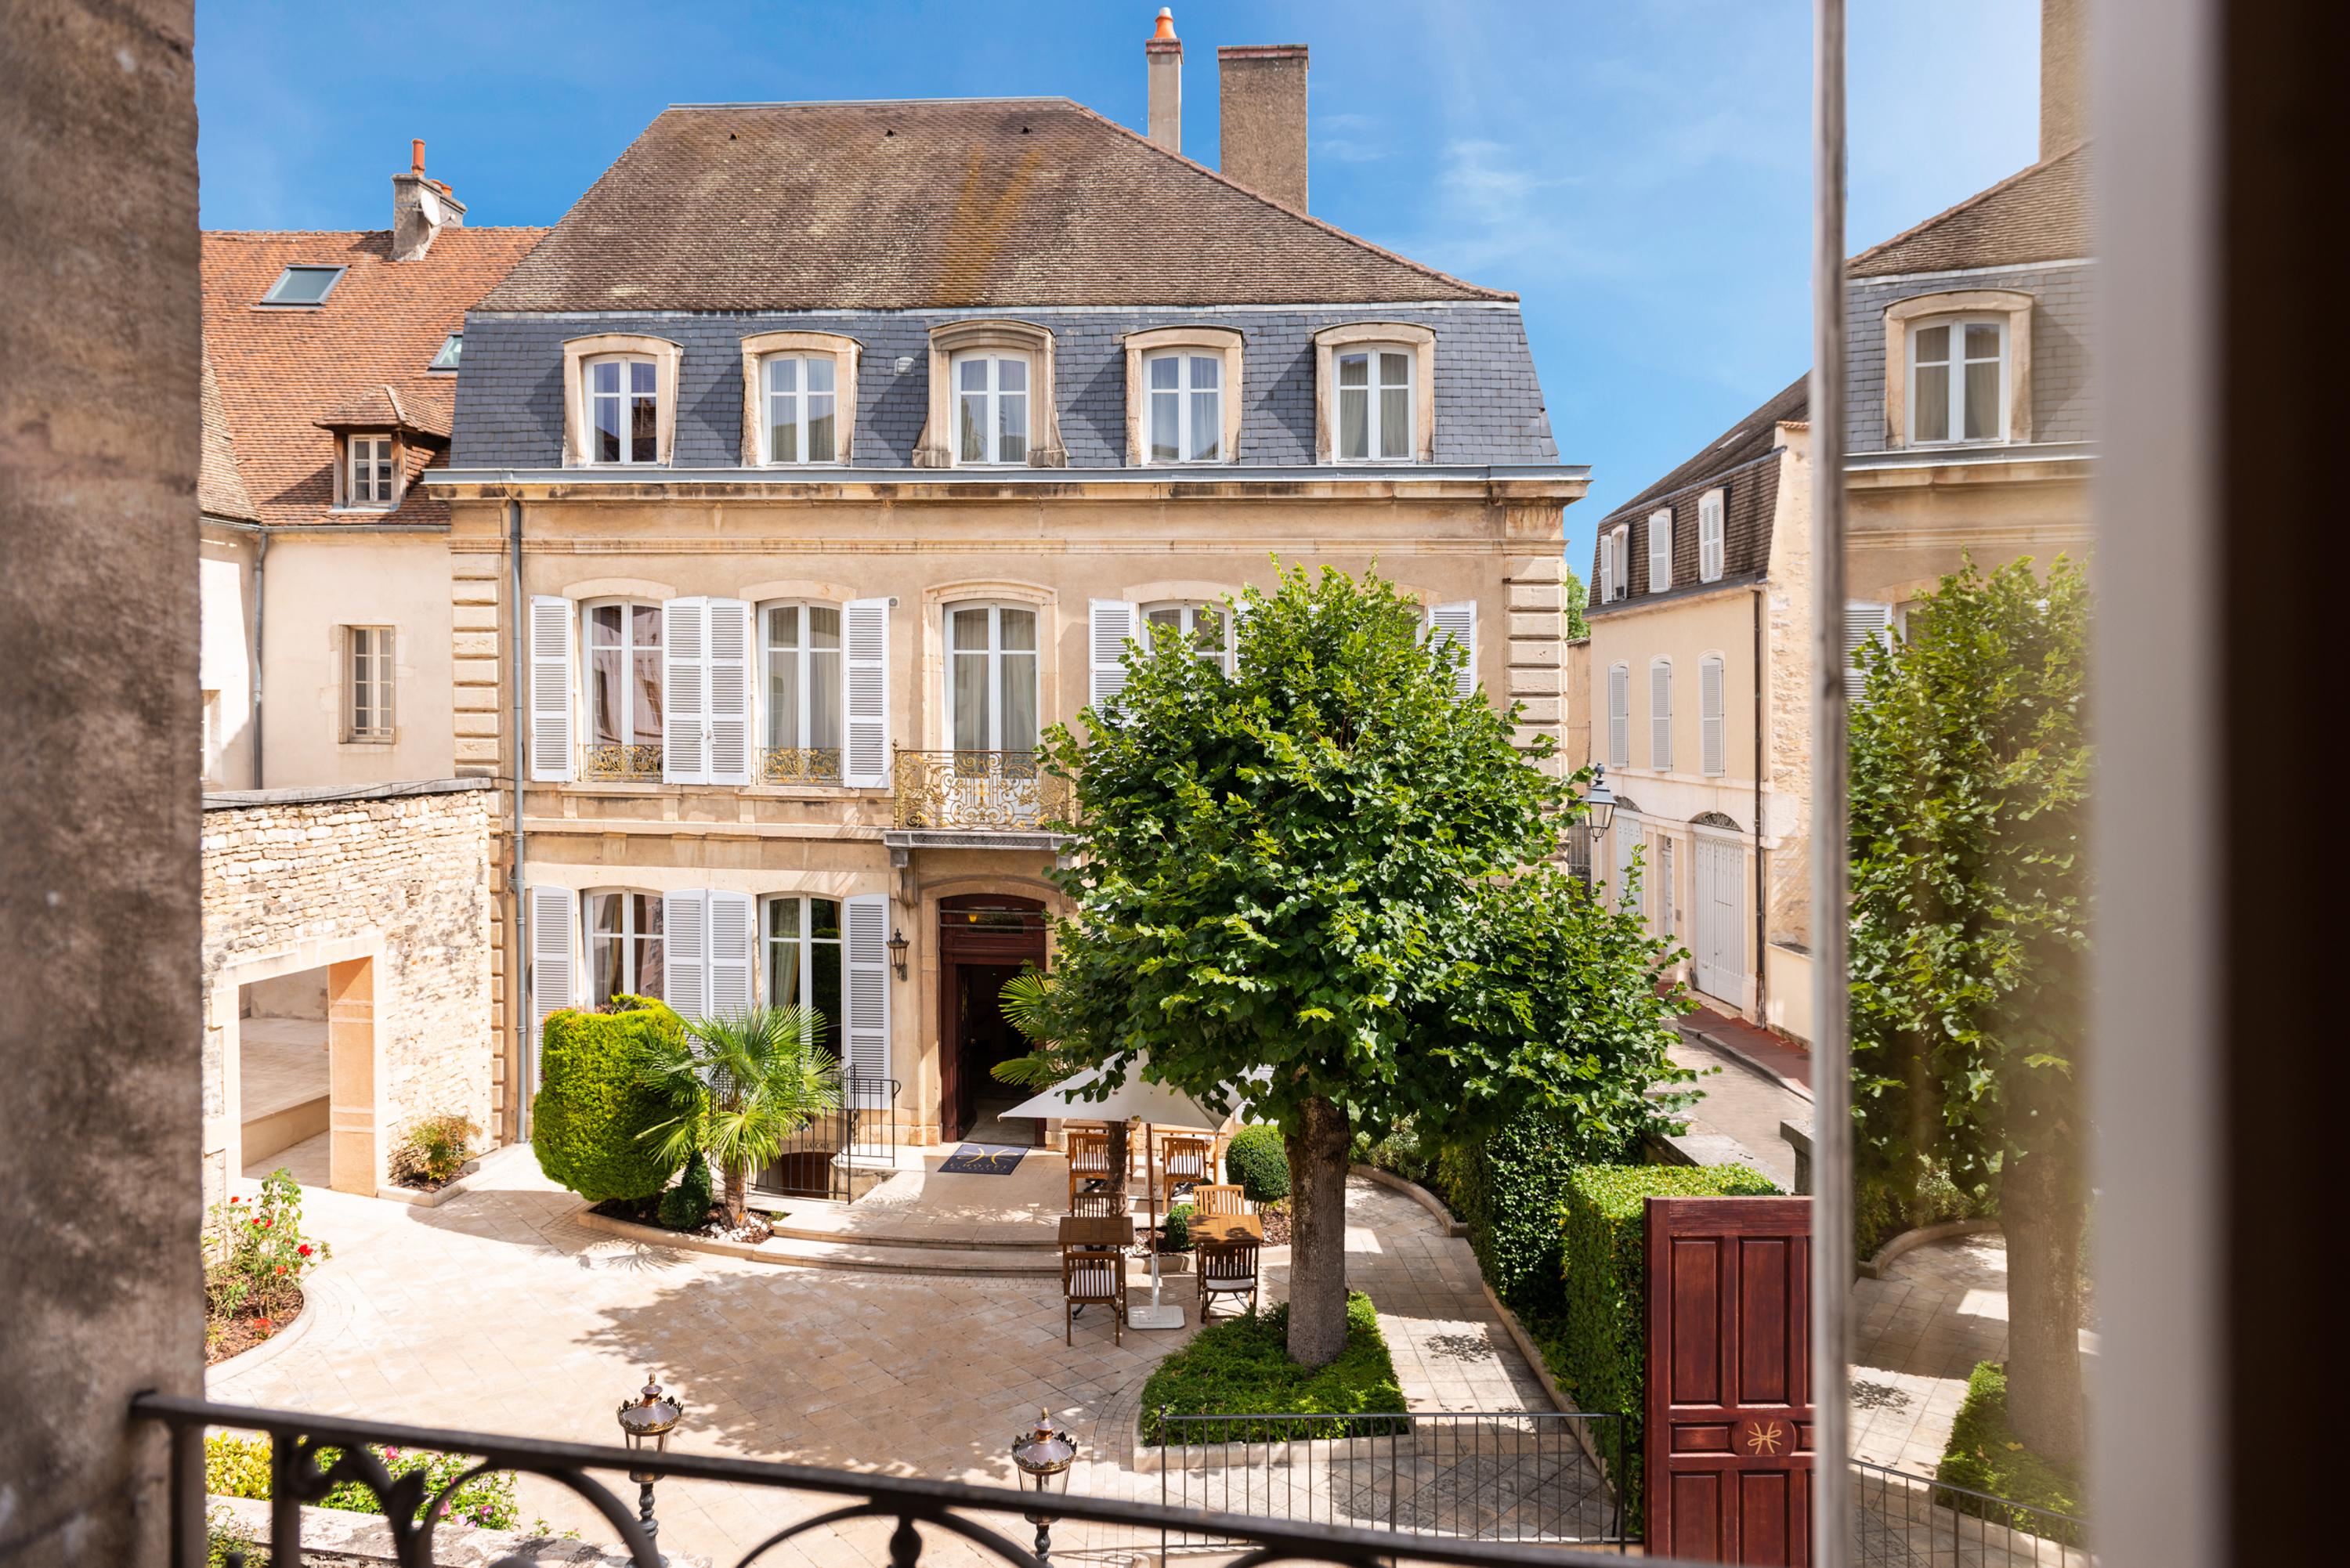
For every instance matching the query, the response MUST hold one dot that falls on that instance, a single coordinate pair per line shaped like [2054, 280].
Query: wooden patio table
[1218, 1228]
[1097, 1231]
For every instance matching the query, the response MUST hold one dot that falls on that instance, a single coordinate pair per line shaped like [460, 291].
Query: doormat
[983, 1159]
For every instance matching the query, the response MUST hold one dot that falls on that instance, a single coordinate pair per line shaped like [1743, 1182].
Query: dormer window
[369, 471]
[1187, 407]
[623, 411]
[803, 403]
[990, 408]
[451, 346]
[303, 286]
[1375, 405]
[1375, 390]
[1957, 370]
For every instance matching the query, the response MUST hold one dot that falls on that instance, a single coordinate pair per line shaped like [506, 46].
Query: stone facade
[388, 888]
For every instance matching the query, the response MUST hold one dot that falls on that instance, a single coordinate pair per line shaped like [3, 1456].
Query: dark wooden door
[977, 931]
[1729, 1419]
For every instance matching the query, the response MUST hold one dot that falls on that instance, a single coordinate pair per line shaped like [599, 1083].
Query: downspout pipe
[518, 966]
[1761, 860]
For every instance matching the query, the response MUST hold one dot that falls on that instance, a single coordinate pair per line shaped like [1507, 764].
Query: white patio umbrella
[1155, 1106]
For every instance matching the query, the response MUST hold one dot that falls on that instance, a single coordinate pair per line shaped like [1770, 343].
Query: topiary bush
[1257, 1159]
[593, 1102]
[1600, 1350]
[686, 1206]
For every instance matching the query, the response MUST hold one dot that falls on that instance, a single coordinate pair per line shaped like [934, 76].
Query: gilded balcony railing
[979, 791]
[603, 762]
[800, 766]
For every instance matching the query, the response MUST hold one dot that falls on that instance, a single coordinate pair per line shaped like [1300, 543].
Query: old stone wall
[1788, 701]
[399, 874]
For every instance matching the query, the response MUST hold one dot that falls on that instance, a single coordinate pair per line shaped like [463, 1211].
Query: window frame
[806, 941]
[1901, 318]
[1619, 716]
[334, 271]
[626, 396]
[1195, 341]
[1376, 358]
[629, 972]
[991, 397]
[1954, 367]
[578, 410]
[1419, 344]
[1718, 720]
[1186, 393]
[1714, 535]
[374, 643]
[1660, 531]
[1617, 541]
[941, 445]
[1187, 625]
[390, 461]
[804, 662]
[993, 654]
[845, 353]
[802, 395]
[584, 689]
[1660, 720]
[452, 348]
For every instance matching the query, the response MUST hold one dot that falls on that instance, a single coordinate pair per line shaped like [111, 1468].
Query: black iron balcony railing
[800, 766]
[609, 762]
[843, 1154]
[982, 792]
[979, 1515]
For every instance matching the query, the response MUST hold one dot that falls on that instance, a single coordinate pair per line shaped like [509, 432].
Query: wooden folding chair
[1212, 1198]
[1226, 1269]
[1093, 1276]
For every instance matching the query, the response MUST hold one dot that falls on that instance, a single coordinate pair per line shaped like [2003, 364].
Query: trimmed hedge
[1984, 1455]
[1257, 1161]
[593, 1102]
[1600, 1350]
[686, 1206]
[1508, 1188]
[1240, 1367]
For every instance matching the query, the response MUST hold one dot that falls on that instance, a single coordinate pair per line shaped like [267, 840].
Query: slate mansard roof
[904, 205]
[2037, 215]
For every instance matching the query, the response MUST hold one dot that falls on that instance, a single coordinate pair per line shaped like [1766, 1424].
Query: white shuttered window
[1110, 622]
[1863, 622]
[1619, 716]
[706, 692]
[1660, 715]
[864, 629]
[1714, 759]
[1660, 551]
[550, 688]
[1712, 552]
[867, 921]
[1456, 625]
[554, 957]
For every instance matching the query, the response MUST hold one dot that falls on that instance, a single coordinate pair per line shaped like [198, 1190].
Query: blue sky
[1638, 170]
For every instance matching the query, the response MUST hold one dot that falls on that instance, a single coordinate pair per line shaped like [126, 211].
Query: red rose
[281, 1268]
[263, 1223]
[303, 1249]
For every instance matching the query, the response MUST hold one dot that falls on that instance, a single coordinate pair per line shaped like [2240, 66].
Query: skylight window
[303, 286]
[450, 348]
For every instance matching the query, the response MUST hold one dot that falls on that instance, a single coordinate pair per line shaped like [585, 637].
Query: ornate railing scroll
[954, 1507]
[605, 762]
[800, 766]
[979, 791]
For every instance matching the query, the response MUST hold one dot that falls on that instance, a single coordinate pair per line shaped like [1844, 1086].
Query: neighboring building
[1969, 437]
[346, 976]
[845, 445]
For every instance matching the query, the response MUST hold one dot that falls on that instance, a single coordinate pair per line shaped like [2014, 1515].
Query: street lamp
[1044, 1457]
[646, 1423]
[1598, 803]
[897, 945]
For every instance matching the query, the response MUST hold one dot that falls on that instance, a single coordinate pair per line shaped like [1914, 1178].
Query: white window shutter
[1863, 622]
[1710, 718]
[551, 700]
[1660, 551]
[685, 952]
[553, 958]
[733, 943]
[867, 937]
[1606, 548]
[865, 631]
[685, 690]
[729, 761]
[1710, 555]
[1459, 624]
[1111, 623]
[1660, 717]
[1619, 716]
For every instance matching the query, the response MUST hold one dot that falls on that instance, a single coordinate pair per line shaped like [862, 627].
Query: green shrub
[1984, 1455]
[593, 1105]
[1257, 1159]
[239, 1466]
[1177, 1233]
[224, 1535]
[1510, 1189]
[433, 1150]
[1240, 1367]
[1600, 1345]
[686, 1206]
[1404, 1153]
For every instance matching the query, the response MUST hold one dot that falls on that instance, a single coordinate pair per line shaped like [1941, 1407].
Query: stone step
[1043, 1239]
[800, 1252]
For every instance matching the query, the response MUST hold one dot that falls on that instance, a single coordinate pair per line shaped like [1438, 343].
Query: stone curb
[1416, 1193]
[1797, 1087]
[318, 1300]
[416, 1197]
[1910, 1241]
[963, 1266]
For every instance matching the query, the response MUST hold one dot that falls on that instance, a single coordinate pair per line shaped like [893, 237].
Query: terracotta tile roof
[2039, 213]
[914, 204]
[220, 489]
[280, 373]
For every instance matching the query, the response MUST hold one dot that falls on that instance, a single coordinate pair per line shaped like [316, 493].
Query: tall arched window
[802, 690]
[803, 961]
[992, 677]
[624, 691]
[625, 946]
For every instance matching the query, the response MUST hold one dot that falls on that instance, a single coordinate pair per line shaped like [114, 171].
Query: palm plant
[1027, 1003]
[740, 1086]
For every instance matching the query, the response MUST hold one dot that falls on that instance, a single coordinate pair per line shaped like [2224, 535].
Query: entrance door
[1729, 1415]
[984, 939]
[1721, 933]
[1665, 887]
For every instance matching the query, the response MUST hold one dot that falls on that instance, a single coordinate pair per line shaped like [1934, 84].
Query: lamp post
[1598, 803]
[646, 1423]
[1044, 1456]
[897, 945]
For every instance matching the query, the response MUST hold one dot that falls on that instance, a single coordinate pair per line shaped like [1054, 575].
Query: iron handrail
[2068, 1532]
[297, 1478]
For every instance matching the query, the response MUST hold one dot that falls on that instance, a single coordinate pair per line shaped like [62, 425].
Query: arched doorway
[984, 939]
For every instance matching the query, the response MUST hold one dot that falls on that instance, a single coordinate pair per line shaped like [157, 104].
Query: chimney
[420, 208]
[1164, 57]
[1263, 87]
[2063, 76]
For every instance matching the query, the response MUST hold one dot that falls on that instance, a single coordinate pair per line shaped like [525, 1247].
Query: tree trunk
[1120, 1144]
[2041, 1210]
[1317, 1233]
[738, 1195]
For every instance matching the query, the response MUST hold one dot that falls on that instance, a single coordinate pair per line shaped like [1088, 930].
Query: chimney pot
[1263, 112]
[420, 208]
[1163, 63]
[416, 156]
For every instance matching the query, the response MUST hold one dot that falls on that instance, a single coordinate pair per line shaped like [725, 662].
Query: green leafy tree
[738, 1087]
[1577, 600]
[1324, 884]
[1971, 896]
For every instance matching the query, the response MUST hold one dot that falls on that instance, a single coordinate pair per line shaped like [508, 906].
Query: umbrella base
[1143, 1315]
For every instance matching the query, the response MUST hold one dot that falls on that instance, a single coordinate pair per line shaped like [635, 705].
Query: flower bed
[255, 1258]
[239, 1466]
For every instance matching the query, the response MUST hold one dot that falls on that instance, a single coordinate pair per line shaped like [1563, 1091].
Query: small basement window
[451, 346]
[303, 286]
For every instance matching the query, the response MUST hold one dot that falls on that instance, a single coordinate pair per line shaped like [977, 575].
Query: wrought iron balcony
[980, 792]
[800, 766]
[603, 762]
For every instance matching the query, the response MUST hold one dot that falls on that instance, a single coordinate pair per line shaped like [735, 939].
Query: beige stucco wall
[402, 881]
[1055, 553]
[224, 655]
[316, 584]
